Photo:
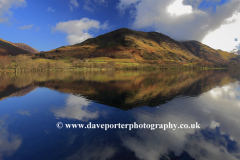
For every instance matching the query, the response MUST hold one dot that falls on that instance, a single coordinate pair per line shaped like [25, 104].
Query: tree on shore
[50, 65]
[76, 62]
[4, 62]
[60, 65]
[22, 62]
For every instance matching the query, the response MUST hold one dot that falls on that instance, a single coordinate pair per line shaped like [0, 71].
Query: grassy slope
[126, 46]
[8, 48]
[207, 53]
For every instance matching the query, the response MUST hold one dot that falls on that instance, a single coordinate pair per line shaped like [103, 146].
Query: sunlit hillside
[127, 46]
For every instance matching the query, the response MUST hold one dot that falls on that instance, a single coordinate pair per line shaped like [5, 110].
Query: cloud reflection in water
[9, 143]
[76, 108]
[216, 110]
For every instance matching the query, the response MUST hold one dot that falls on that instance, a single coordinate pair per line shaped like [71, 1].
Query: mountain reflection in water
[32, 103]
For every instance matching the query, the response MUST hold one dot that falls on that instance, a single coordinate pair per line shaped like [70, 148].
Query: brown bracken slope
[26, 47]
[142, 47]
[8, 48]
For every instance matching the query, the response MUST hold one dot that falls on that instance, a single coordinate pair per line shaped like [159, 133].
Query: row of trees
[4, 62]
[84, 64]
[23, 62]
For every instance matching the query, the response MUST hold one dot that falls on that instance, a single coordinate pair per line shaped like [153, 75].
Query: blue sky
[49, 24]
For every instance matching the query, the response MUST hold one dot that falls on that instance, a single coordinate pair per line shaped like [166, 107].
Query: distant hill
[141, 47]
[207, 53]
[26, 47]
[8, 48]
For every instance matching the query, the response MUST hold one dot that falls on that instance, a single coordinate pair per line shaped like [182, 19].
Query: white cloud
[214, 124]
[5, 5]
[225, 36]
[102, 2]
[105, 25]
[26, 27]
[73, 3]
[71, 7]
[177, 8]
[124, 4]
[50, 9]
[86, 7]
[73, 39]
[90, 4]
[77, 30]
[181, 19]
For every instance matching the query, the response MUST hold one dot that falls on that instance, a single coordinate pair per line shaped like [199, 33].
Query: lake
[135, 115]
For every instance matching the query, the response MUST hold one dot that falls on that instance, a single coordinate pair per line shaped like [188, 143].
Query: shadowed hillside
[8, 48]
[207, 53]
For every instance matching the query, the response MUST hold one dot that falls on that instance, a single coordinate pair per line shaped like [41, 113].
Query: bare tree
[112, 63]
[4, 62]
[50, 65]
[60, 65]
[35, 65]
[42, 66]
[76, 62]
[21, 62]
[96, 65]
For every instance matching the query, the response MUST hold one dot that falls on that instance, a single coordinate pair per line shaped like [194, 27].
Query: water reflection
[100, 152]
[124, 90]
[218, 138]
[76, 108]
[9, 142]
[210, 98]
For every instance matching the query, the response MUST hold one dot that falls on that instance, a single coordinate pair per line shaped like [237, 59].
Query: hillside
[207, 53]
[8, 48]
[26, 47]
[124, 44]
[128, 46]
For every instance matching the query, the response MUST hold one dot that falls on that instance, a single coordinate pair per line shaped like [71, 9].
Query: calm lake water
[31, 104]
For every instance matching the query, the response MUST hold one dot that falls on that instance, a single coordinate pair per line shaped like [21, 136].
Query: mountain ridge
[125, 46]
[8, 48]
[26, 47]
[143, 47]
[140, 47]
